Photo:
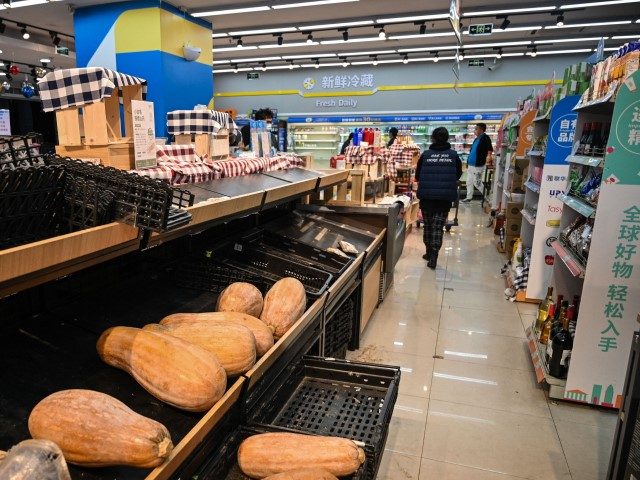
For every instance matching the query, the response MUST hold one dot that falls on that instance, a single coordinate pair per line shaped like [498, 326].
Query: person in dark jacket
[393, 136]
[481, 150]
[437, 173]
[346, 144]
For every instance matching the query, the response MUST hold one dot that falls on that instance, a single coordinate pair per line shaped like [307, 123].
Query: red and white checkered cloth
[400, 156]
[230, 168]
[157, 173]
[179, 153]
[184, 164]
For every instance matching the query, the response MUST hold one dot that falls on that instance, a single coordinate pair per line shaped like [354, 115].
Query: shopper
[437, 174]
[347, 142]
[393, 136]
[481, 149]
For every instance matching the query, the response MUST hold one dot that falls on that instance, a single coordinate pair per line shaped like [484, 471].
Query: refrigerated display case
[324, 136]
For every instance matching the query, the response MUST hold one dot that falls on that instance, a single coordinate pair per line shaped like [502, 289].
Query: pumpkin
[34, 460]
[284, 304]
[171, 369]
[272, 453]
[261, 331]
[233, 345]
[303, 474]
[95, 430]
[240, 297]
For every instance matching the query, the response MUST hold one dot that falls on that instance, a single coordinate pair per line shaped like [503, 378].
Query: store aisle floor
[469, 406]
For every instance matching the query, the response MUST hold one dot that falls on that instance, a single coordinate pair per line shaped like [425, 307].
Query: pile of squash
[184, 361]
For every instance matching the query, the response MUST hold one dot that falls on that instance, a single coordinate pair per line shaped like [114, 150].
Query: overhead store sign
[481, 29]
[339, 82]
[253, 76]
[469, 117]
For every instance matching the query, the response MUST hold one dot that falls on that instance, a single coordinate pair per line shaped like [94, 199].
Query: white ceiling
[57, 16]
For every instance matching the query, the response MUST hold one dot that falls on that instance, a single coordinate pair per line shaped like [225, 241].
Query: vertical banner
[454, 19]
[611, 294]
[144, 134]
[5, 123]
[525, 135]
[562, 129]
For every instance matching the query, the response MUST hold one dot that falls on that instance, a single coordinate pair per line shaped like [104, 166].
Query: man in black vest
[437, 174]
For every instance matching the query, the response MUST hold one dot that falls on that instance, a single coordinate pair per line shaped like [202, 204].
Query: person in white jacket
[481, 150]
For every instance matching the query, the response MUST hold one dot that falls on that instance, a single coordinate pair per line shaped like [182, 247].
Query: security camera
[191, 53]
[496, 65]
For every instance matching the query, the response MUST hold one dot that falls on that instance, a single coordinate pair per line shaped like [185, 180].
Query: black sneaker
[426, 256]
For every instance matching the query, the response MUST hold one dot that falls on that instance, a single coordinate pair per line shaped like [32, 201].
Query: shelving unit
[609, 282]
[538, 357]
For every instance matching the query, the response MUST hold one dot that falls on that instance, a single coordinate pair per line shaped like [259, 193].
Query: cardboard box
[513, 210]
[513, 226]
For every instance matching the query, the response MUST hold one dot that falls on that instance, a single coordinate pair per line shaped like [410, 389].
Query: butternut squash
[233, 345]
[171, 369]
[284, 304]
[34, 460]
[272, 453]
[240, 297]
[95, 430]
[261, 331]
[303, 474]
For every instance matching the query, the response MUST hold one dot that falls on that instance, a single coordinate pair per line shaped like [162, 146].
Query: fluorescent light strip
[308, 65]
[594, 24]
[232, 70]
[310, 4]
[568, 40]
[415, 18]
[25, 3]
[490, 13]
[427, 49]
[370, 62]
[371, 52]
[220, 62]
[516, 54]
[623, 37]
[597, 4]
[430, 59]
[611, 49]
[512, 29]
[264, 30]
[323, 26]
[560, 52]
[499, 44]
[286, 45]
[353, 40]
[215, 13]
[317, 55]
[283, 67]
[487, 55]
[426, 35]
[255, 59]
[234, 49]
[219, 35]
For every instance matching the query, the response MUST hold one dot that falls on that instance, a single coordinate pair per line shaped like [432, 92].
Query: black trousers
[433, 228]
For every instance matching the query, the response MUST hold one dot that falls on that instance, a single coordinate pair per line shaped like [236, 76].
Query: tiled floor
[469, 406]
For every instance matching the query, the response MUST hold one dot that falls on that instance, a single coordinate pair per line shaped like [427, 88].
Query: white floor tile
[481, 321]
[433, 470]
[585, 414]
[396, 466]
[406, 431]
[587, 449]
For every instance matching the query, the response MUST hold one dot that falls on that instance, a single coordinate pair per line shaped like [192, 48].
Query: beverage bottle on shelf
[561, 347]
[596, 147]
[584, 138]
[376, 137]
[588, 144]
[543, 310]
[556, 327]
[359, 136]
[546, 327]
[355, 140]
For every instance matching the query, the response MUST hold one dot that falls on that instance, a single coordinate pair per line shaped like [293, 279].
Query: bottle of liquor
[561, 347]
[556, 325]
[589, 142]
[586, 130]
[543, 310]
[595, 147]
[574, 318]
[546, 327]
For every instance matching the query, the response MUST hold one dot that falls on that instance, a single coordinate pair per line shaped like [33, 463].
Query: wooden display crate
[215, 146]
[95, 130]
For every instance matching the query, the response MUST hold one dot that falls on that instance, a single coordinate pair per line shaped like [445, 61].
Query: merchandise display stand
[542, 210]
[609, 282]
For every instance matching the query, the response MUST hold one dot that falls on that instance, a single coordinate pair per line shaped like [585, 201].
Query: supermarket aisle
[469, 406]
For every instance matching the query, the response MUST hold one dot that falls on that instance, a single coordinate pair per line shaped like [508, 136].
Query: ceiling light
[405, 59]
[351, 40]
[325, 26]
[565, 40]
[255, 59]
[310, 38]
[423, 28]
[235, 69]
[375, 61]
[27, 3]
[517, 54]
[261, 31]
[382, 34]
[499, 55]
[557, 52]
[611, 49]
[45, 60]
[499, 44]
[317, 64]
[287, 45]
[220, 62]
[345, 64]
[234, 49]
[219, 35]
[436, 57]
[291, 66]
[3, 74]
[345, 35]
[426, 35]
[314, 55]
[26, 35]
[597, 4]
[239, 43]
[370, 62]
[490, 13]
[415, 18]
[310, 4]
[505, 23]
[560, 20]
[231, 11]
[283, 67]
[461, 55]
[512, 29]
[280, 39]
[371, 52]
[428, 49]
[534, 52]
[594, 24]
[623, 37]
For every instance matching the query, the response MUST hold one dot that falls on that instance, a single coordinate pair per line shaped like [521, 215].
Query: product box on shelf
[513, 209]
[513, 225]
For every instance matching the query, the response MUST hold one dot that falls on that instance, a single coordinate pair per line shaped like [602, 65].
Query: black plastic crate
[335, 398]
[338, 330]
[249, 258]
[302, 252]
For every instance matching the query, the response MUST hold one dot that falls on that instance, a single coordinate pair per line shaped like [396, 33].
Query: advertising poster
[144, 134]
